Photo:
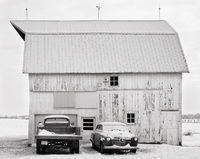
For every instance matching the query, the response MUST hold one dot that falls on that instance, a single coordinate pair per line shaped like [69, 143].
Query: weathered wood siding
[42, 103]
[154, 98]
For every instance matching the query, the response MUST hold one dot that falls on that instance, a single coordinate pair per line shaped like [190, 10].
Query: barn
[93, 71]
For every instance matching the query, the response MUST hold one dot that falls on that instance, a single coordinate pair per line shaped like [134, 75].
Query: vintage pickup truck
[56, 131]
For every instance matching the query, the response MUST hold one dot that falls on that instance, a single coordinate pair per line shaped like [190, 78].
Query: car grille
[120, 142]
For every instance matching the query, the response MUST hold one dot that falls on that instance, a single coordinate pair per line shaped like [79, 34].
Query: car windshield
[115, 127]
[57, 120]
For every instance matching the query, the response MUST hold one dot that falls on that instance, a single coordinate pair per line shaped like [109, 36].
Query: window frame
[114, 79]
[82, 124]
[131, 118]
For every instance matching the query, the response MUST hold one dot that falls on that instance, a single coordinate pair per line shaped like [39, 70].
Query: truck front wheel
[38, 150]
[38, 146]
[71, 149]
[77, 150]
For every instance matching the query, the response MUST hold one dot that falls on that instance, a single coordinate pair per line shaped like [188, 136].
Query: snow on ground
[193, 127]
[13, 128]
[13, 144]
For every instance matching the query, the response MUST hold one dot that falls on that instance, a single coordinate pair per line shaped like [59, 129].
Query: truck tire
[38, 146]
[38, 150]
[71, 149]
[76, 146]
[77, 150]
[43, 150]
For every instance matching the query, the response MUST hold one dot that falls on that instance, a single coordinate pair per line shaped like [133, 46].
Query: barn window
[131, 118]
[64, 100]
[114, 81]
[88, 123]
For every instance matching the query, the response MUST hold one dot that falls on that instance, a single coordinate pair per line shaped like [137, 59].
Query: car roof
[112, 123]
[56, 116]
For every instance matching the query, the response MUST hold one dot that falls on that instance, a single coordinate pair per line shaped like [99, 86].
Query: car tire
[101, 148]
[93, 146]
[134, 150]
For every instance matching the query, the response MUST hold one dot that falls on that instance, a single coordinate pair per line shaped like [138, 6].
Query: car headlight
[102, 139]
[135, 139]
[108, 138]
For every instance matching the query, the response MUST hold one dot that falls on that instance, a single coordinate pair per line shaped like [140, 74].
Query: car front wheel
[102, 148]
[93, 145]
[134, 150]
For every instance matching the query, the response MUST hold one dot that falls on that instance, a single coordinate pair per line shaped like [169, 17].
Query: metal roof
[94, 26]
[106, 48]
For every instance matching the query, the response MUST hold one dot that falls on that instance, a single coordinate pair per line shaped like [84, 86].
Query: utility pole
[98, 8]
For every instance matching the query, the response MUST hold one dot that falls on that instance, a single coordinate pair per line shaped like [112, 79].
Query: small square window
[114, 81]
[88, 123]
[131, 118]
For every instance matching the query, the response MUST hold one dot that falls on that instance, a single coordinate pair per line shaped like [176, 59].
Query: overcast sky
[183, 15]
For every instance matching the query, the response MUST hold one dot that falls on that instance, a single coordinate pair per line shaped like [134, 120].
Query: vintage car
[57, 132]
[113, 136]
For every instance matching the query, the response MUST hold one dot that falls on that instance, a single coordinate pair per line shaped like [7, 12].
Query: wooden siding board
[149, 96]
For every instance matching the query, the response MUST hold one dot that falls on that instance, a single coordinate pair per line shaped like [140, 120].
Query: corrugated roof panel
[103, 53]
[94, 26]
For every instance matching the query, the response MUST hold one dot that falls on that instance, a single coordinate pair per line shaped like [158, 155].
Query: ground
[13, 144]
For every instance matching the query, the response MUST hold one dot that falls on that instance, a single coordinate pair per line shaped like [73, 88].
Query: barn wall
[154, 98]
[41, 104]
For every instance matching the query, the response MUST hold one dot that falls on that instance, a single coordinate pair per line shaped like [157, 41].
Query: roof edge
[50, 73]
[90, 33]
[19, 30]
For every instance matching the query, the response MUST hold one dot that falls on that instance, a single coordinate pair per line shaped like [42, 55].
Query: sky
[182, 15]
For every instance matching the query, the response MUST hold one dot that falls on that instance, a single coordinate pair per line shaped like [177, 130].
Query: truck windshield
[115, 127]
[57, 120]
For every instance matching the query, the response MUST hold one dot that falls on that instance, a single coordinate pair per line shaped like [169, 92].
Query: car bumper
[115, 147]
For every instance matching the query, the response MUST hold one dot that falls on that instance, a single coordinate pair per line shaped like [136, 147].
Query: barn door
[149, 117]
[170, 127]
[109, 106]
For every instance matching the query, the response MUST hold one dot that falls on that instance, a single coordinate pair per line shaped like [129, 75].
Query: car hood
[119, 134]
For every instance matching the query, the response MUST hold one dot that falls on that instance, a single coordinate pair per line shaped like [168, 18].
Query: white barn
[127, 71]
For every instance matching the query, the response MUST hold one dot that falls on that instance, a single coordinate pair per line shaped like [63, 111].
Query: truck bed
[58, 132]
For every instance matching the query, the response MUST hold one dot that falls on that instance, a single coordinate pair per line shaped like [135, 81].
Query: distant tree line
[14, 117]
[191, 116]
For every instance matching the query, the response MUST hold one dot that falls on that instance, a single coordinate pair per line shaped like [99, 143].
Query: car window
[57, 120]
[99, 127]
